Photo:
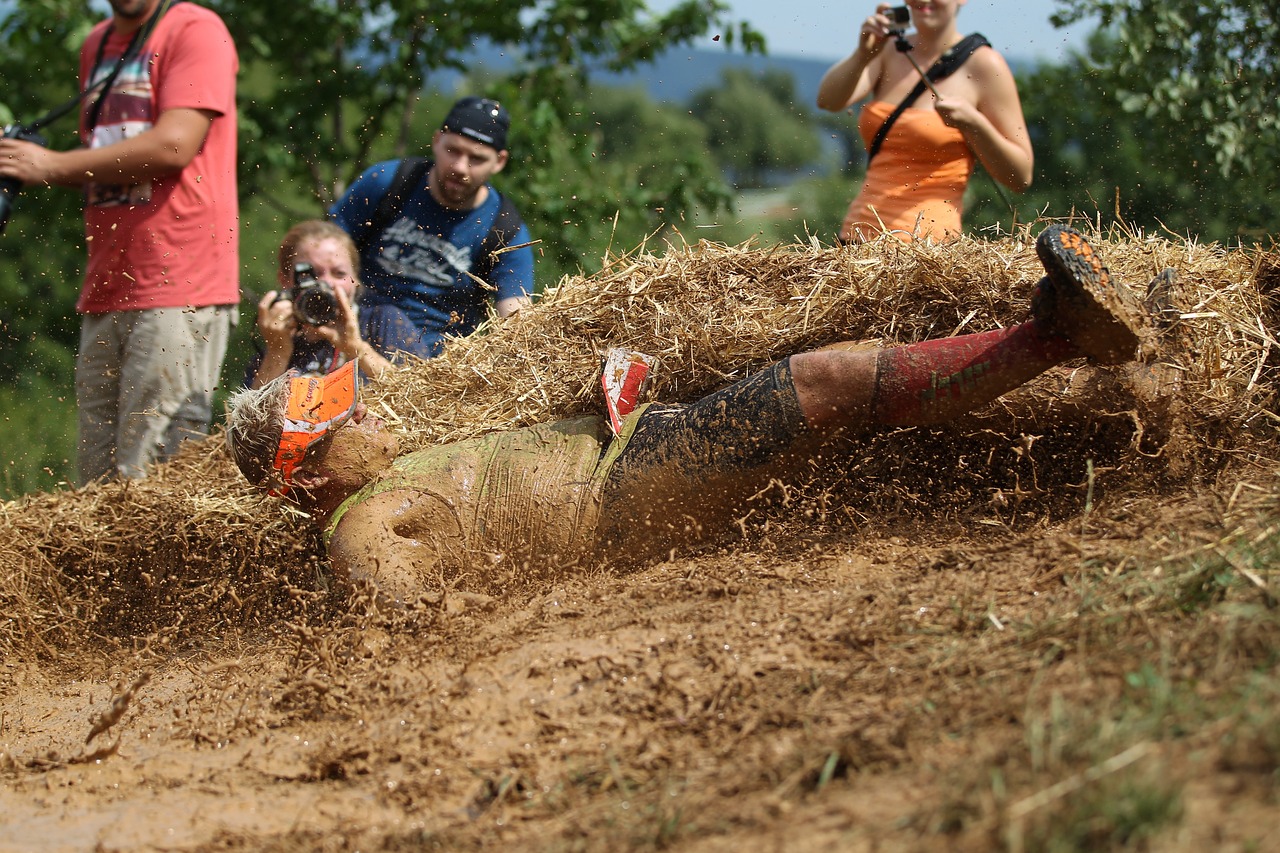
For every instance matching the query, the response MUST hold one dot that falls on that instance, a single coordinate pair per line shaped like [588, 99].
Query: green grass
[38, 434]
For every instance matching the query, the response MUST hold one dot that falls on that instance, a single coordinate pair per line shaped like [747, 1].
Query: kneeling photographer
[311, 324]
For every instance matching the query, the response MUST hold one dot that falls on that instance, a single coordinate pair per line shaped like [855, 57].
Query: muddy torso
[530, 492]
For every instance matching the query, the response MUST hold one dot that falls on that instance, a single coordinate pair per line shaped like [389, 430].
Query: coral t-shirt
[915, 184]
[171, 241]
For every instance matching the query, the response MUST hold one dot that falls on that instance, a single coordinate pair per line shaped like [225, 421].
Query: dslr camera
[9, 187]
[314, 303]
[899, 19]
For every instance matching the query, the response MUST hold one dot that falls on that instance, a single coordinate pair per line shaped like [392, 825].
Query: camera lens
[315, 305]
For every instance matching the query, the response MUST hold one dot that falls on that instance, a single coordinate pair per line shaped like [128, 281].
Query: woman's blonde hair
[314, 229]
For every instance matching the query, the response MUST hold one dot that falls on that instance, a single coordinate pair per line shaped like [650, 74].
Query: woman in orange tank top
[915, 184]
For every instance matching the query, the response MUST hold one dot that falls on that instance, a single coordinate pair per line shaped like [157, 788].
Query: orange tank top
[915, 185]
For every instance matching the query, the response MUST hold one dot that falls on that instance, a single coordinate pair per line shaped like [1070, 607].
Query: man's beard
[457, 191]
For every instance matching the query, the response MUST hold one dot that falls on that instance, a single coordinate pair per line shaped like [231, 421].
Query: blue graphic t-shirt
[415, 273]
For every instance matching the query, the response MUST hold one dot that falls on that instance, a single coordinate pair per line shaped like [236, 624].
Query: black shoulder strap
[947, 64]
[505, 226]
[410, 173]
[136, 44]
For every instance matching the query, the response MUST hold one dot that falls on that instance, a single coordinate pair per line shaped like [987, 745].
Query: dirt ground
[841, 689]
[1053, 626]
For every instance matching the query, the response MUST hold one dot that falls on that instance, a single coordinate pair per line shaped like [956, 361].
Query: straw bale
[188, 550]
[713, 313]
[192, 551]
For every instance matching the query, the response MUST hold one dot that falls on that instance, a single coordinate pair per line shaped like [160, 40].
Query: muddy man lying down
[674, 475]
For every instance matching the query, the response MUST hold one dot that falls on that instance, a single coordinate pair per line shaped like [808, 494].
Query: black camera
[314, 303]
[899, 19]
[9, 187]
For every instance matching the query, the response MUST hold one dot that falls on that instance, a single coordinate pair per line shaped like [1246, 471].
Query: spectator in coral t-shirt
[158, 169]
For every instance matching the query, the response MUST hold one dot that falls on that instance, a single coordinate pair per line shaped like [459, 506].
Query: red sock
[935, 381]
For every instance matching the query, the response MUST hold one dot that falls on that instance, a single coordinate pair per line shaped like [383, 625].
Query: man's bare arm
[167, 147]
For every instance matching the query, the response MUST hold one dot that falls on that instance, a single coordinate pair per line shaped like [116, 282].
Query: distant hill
[678, 74]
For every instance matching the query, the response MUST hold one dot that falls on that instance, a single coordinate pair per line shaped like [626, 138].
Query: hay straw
[192, 551]
[713, 313]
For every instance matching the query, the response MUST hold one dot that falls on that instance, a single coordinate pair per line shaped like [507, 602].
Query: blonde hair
[314, 229]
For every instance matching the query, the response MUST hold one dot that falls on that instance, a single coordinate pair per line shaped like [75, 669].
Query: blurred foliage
[1207, 66]
[340, 86]
[1098, 159]
[757, 124]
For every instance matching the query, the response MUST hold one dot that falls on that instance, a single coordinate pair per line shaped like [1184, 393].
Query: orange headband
[317, 404]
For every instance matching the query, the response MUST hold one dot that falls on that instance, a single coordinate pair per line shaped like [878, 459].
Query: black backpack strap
[506, 224]
[947, 64]
[411, 172]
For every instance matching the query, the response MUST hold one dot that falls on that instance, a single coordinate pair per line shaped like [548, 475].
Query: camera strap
[947, 64]
[135, 46]
[136, 43]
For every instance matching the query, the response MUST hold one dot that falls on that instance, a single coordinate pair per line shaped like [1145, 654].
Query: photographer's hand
[877, 30]
[957, 113]
[277, 327]
[27, 162]
[346, 338]
[164, 149]
[854, 77]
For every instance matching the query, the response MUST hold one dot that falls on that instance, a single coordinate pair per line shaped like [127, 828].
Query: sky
[826, 30]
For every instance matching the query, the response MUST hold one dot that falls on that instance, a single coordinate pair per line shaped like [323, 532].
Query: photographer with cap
[157, 166]
[434, 236]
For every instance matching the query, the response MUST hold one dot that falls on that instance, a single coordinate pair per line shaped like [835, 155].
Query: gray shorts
[144, 382]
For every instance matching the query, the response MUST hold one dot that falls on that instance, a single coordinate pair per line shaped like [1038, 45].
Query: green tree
[344, 82]
[1099, 159]
[1212, 66]
[656, 149]
[756, 124]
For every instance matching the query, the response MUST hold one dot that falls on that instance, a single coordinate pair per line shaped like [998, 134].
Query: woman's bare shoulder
[988, 62]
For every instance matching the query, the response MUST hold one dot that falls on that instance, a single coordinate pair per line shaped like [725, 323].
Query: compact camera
[9, 187]
[314, 303]
[899, 19]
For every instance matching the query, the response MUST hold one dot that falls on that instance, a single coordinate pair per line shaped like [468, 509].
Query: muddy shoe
[1079, 301]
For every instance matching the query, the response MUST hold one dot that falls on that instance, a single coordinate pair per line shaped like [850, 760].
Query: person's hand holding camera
[276, 322]
[344, 332]
[888, 22]
[27, 162]
[854, 77]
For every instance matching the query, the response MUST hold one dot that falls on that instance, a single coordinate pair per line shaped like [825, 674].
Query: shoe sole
[1086, 306]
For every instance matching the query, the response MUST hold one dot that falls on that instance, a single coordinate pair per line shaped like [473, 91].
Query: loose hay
[191, 551]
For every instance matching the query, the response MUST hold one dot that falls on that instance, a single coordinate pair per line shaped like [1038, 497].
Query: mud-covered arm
[398, 540]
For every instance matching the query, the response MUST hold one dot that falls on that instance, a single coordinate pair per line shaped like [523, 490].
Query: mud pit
[1052, 622]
